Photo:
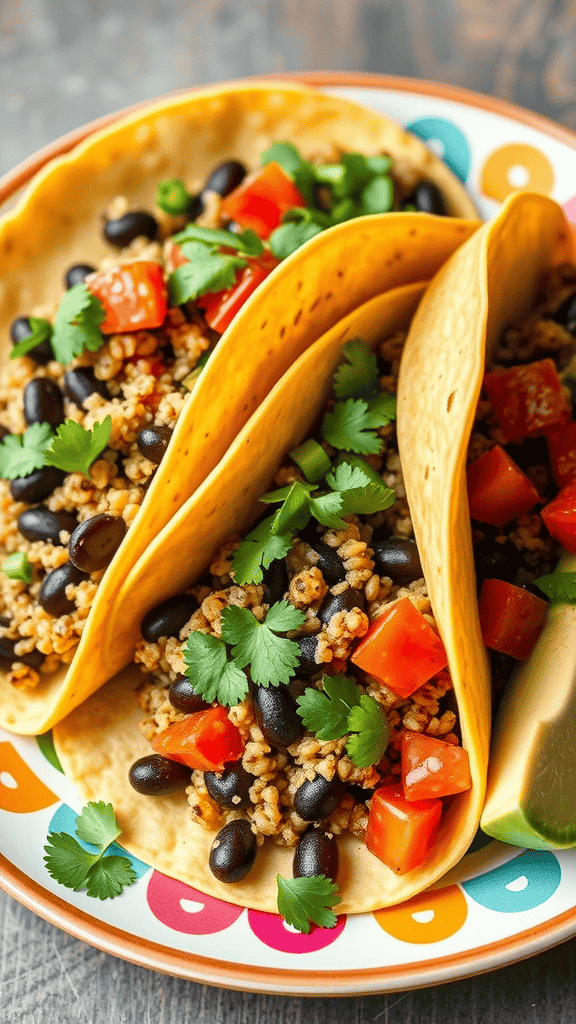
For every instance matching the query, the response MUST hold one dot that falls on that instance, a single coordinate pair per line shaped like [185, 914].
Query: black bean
[155, 775]
[226, 177]
[330, 565]
[496, 561]
[316, 854]
[80, 383]
[43, 402]
[7, 654]
[21, 329]
[397, 558]
[233, 851]
[277, 715]
[429, 199]
[183, 697]
[94, 542]
[566, 314]
[276, 580]
[195, 207]
[37, 485]
[153, 441]
[168, 618]
[532, 452]
[77, 274]
[52, 594]
[341, 603]
[4, 432]
[40, 523]
[316, 799]
[123, 230]
[308, 644]
[232, 787]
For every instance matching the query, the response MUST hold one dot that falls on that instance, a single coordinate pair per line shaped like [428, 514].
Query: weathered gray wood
[64, 62]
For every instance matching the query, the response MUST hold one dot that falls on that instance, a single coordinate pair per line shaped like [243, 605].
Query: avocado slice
[531, 793]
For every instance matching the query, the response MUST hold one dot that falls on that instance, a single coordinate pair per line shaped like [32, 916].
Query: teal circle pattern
[456, 148]
[523, 883]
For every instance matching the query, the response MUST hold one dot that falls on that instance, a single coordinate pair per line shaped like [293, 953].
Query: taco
[354, 736]
[108, 424]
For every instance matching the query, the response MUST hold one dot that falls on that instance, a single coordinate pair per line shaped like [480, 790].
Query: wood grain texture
[64, 62]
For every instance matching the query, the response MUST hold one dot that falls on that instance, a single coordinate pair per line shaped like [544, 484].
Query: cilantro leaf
[272, 659]
[17, 567]
[211, 674]
[172, 196]
[298, 506]
[363, 490]
[108, 877]
[76, 324]
[369, 724]
[71, 865]
[560, 587]
[347, 427]
[74, 449]
[382, 410]
[325, 510]
[325, 712]
[67, 861]
[21, 454]
[242, 241]
[97, 825]
[290, 236]
[258, 550]
[358, 376]
[40, 330]
[207, 271]
[305, 900]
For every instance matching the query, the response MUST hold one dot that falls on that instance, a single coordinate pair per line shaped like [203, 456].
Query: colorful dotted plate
[501, 903]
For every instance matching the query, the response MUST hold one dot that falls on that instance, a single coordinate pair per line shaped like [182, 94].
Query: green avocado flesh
[531, 795]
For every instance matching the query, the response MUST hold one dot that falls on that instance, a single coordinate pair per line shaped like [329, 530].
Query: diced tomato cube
[498, 490]
[560, 516]
[511, 618]
[562, 452]
[400, 833]
[432, 768]
[262, 199]
[401, 649]
[528, 400]
[133, 295]
[221, 307]
[205, 740]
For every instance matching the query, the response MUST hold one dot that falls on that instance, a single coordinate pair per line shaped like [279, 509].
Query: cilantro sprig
[21, 454]
[271, 659]
[17, 567]
[302, 901]
[352, 424]
[560, 587]
[74, 449]
[258, 550]
[342, 707]
[77, 324]
[73, 866]
[208, 268]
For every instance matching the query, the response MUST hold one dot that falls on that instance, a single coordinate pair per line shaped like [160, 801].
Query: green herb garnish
[74, 449]
[245, 242]
[363, 489]
[258, 550]
[560, 587]
[210, 672]
[73, 866]
[41, 330]
[17, 567]
[352, 425]
[343, 707]
[172, 196]
[312, 460]
[21, 454]
[302, 901]
[207, 271]
[76, 324]
[299, 507]
[357, 376]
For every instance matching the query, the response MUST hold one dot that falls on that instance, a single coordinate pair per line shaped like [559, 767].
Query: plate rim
[245, 977]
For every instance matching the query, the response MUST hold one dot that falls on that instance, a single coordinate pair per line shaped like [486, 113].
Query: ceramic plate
[501, 903]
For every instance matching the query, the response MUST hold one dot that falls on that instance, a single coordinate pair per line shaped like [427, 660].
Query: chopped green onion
[17, 567]
[172, 196]
[330, 173]
[312, 460]
[378, 195]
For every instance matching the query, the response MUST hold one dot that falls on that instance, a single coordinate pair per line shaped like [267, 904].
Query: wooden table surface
[65, 62]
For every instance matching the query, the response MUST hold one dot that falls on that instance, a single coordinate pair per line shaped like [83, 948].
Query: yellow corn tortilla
[58, 223]
[99, 741]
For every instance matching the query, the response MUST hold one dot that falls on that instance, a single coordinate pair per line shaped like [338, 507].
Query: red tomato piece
[400, 833]
[498, 490]
[511, 618]
[174, 257]
[560, 516]
[528, 400]
[221, 307]
[133, 295]
[401, 649]
[205, 740]
[432, 768]
[562, 452]
[262, 199]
